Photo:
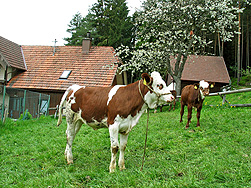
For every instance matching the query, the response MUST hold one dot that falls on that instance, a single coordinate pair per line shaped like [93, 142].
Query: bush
[246, 78]
[27, 116]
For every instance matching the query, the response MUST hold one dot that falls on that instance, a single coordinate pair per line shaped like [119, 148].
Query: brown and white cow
[117, 108]
[193, 96]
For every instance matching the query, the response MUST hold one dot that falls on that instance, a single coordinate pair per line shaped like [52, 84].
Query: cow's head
[160, 94]
[204, 87]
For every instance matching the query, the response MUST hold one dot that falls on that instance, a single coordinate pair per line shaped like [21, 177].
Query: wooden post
[56, 112]
[39, 106]
[5, 115]
[4, 91]
[24, 102]
[47, 113]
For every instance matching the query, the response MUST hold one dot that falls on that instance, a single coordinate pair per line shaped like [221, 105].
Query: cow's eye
[160, 86]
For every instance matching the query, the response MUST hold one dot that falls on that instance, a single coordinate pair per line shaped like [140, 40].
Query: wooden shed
[209, 68]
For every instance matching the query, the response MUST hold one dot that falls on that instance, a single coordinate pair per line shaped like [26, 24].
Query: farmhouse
[52, 69]
[12, 63]
[209, 68]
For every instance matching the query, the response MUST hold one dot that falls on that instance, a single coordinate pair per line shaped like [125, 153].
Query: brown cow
[193, 96]
[117, 108]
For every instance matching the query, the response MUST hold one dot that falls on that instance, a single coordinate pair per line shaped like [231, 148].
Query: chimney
[87, 43]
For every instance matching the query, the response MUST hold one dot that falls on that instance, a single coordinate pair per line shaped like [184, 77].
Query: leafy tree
[111, 20]
[76, 30]
[168, 31]
[108, 22]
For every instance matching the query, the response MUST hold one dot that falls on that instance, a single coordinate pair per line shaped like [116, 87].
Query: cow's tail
[60, 108]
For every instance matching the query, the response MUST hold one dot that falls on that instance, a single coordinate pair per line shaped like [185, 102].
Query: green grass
[218, 154]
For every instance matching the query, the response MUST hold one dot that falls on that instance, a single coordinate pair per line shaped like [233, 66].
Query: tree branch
[169, 67]
[185, 58]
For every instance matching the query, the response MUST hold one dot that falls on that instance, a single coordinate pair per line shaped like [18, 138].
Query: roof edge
[23, 57]
[5, 60]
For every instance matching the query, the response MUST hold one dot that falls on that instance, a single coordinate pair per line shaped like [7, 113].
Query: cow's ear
[211, 84]
[196, 86]
[174, 93]
[146, 78]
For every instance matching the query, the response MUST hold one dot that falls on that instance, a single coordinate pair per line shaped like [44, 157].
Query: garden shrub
[27, 116]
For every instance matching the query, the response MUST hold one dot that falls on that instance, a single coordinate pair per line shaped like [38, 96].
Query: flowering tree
[168, 31]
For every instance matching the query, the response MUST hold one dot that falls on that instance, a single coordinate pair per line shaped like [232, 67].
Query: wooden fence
[223, 94]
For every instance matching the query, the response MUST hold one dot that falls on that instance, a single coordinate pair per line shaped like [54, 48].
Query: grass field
[218, 154]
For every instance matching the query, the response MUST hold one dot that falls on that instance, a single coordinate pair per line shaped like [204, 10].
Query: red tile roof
[44, 69]
[12, 54]
[210, 68]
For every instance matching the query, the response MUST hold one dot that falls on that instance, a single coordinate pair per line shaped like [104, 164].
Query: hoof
[122, 168]
[69, 162]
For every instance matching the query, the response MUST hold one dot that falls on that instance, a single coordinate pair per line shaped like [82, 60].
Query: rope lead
[143, 159]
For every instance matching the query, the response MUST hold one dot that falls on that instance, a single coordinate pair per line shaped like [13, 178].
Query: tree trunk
[178, 85]
[247, 48]
[219, 44]
[242, 45]
[239, 48]
[215, 44]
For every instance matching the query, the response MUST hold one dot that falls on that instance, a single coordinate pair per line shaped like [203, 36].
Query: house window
[44, 106]
[65, 74]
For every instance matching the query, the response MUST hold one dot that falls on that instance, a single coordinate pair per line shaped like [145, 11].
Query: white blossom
[165, 29]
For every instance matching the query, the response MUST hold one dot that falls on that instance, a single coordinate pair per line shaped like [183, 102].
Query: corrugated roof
[44, 69]
[210, 68]
[12, 54]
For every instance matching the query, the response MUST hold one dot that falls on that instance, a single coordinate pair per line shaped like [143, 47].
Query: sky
[30, 22]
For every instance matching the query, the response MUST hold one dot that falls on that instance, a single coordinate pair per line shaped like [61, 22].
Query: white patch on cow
[204, 84]
[201, 94]
[152, 99]
[97, 125]
[74, 88]
[126, 124]
[171, 86]
[112, 92]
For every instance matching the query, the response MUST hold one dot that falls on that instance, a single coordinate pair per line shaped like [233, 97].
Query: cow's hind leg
[113, 130]
[72, 130]
[181, 111]
[122, 147]
[174, 103]
[189, 115]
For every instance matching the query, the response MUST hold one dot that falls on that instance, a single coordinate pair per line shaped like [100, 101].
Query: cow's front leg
[122, 147]
[113, 130]
[198, 116]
